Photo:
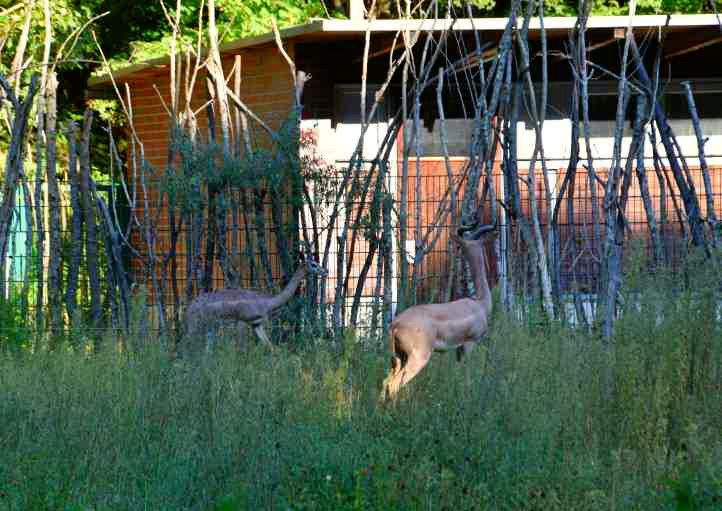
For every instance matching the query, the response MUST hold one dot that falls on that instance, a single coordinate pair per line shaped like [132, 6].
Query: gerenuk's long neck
[475, 255]
[285, 295]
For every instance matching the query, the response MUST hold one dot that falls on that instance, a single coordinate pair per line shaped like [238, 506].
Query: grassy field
[541, 417]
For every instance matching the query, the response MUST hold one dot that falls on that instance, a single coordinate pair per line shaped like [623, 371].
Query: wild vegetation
[541, 417]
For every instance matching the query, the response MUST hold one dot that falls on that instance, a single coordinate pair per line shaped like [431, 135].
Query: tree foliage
[133, 31]
[130, 31]
[66, 16]
[148, 32]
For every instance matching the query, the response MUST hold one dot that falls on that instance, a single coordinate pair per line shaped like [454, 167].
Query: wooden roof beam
[695, 47]
[383, 51]
[602, 44]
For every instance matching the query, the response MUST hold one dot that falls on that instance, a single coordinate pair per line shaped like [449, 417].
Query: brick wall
[266, 88]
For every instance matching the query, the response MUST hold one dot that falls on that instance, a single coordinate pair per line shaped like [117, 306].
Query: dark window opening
[603, 107]
[708, 104]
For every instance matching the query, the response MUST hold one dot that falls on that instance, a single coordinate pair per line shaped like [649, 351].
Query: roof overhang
[320, 30]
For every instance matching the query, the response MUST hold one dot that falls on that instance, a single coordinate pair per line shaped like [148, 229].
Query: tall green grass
[540, 417]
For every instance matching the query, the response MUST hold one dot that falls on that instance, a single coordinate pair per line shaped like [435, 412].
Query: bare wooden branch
[240, 104]
[646, 199]
[375, 219]
[116, 260]
[39, 221]
[541, 258]
[388, 266]
[569, 177]
[76, 250]
[666, 184]
[376, 166]
[46, 46]
[583, 72]
[418, 240]
[613, 239]
[260, 222]
[289, 61]
[91, 246]
[241, 119]
[216, 69]
[689, 199]
[17, 65]
[353, 174]
[249, 242]
[449, 176]
[402, 297]
[709, 190]
[14, 159]
[357, 154]
[55, 270]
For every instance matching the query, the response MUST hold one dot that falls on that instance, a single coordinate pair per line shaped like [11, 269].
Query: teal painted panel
[16, 263]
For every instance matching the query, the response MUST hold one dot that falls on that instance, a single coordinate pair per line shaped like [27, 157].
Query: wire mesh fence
[577, 250]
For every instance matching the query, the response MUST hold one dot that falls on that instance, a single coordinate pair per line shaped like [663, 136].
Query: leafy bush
[14, 332]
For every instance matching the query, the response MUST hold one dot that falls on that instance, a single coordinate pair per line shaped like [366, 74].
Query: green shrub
[14, 333]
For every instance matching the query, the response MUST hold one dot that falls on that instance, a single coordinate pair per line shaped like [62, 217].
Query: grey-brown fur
[242, 305]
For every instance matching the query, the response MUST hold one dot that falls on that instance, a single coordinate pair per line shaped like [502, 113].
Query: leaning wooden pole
[611, 253]
[13, 163]
[537, 239]
[39, 217]
[76, 249]
[584, 77]
[689, 198]
[91, 246]
[712, 220]
[55, 270]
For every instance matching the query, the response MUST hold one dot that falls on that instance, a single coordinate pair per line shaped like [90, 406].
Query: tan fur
[420, 330]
